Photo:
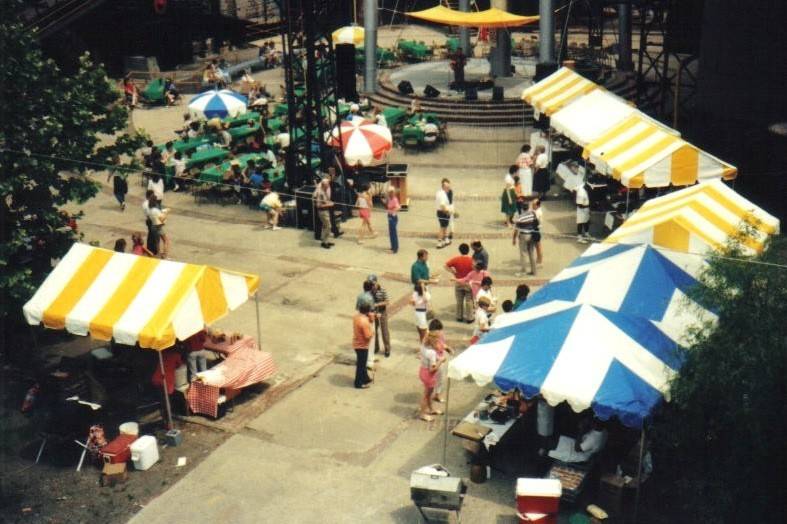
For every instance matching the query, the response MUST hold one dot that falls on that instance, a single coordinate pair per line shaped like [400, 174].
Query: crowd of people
[476, 303]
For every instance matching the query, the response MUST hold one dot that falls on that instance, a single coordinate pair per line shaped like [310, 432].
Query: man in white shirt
[179, 163]
[444, 211]
[582, 201]
[592, 442]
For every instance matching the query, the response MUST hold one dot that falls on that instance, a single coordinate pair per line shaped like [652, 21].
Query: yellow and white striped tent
[639, 152]
[696, 219]
[135, 299]
[555, 91]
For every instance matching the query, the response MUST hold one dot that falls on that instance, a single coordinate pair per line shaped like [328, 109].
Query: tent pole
[628, 190]
[445, 422]
[259, 329]
[165, 388]
[639, 471]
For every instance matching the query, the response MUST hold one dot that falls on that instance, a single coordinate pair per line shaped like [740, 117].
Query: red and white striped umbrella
[364, 142]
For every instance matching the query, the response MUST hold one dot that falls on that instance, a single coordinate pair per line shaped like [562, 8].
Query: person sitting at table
[222, 71]
[193, 131]
[171, 92]
[225, 136]
[257, 140]
[415, 106]
[183, 131]
[197, 357]
[271, 204]
[379, 117]
[168, 153]
[130, 91]
[256, 178]
[268, 155]
[209, 78]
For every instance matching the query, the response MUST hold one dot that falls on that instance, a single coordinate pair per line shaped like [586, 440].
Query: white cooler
[144, 452]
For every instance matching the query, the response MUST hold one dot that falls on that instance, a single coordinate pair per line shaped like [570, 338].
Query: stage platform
[439, 75]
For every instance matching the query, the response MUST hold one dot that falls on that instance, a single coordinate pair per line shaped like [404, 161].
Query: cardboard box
[113, 474]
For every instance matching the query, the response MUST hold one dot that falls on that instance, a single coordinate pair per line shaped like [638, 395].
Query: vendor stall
[697, 219]
[135, 300]
[639, 152]
[587, 117]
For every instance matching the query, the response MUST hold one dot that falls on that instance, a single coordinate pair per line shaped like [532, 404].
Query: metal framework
[310, 79]
[666, 74]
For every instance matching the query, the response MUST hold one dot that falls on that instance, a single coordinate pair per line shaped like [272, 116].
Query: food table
[245, 365]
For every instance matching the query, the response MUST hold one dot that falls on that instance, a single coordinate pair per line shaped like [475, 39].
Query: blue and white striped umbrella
[217, 103]
[593, 358]
[637, 280]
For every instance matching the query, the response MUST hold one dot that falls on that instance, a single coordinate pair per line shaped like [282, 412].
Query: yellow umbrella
[351, 34]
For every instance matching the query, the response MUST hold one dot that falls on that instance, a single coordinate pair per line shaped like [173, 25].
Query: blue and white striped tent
[605, 333]
[616, 364]
[637, 279]
[217, 103]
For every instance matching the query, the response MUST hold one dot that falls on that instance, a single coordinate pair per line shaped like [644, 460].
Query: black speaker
[471, 93]
[431, 92]
[345, 71]
[405, 87]
[497, 93]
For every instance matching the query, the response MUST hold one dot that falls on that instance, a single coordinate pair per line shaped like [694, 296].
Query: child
[486, 292]
[442, 350]
[481, 320]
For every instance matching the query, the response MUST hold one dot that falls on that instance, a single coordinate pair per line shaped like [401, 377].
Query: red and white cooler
[538, 500]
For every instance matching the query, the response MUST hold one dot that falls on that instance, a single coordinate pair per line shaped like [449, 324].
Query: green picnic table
[281, 110]
[241, 120]
[452, 45]
[394, 116]
[429, 118]
[274, 124]
[414, 49]
[385, 57]
[215, 174]
[154, 91]
[412, 135]
[190, 144]
[199, 159]
[241, 132]
[276, 177]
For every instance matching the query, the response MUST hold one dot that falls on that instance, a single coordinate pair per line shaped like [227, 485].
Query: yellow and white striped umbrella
[351, 34]
[134, 299]
[639, 152]
[697, 218]
[555, 91]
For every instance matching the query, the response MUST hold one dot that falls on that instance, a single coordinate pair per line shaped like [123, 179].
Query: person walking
[392, 207]
[443, 350]
[443, 206]
[158, 218]
[508, 203]
[480, 254]
[582, 201]
[324, 205]
[153, 240]
[537, 209]
[381, 316]
[362, 334]
[526, 226]
[420, 302]
[119, 184]
[430, 364]
[460, 266]
[364, 206]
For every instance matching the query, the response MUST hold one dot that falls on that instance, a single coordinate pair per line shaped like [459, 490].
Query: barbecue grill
[433, 487]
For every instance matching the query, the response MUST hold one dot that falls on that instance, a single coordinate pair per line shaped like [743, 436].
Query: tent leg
[445, 422]
[259, 329]
[165, 389]
[628, 190]
[639, 472]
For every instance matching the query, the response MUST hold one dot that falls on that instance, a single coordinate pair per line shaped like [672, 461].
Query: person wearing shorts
[420, 301]
[443, 206]
[428, 373]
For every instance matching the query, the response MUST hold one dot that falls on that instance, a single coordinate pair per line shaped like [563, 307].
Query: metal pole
[166, 393]
[370, 45]
[464, 33]
[624, 37]
[259, 329]
[445, 422]
[639, 471]
[546, 32]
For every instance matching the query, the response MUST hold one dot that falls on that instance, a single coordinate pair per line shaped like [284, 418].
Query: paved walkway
[325, 451]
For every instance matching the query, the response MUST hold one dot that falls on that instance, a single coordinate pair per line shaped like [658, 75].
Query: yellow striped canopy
[133, 299]
[488, 18]
[697, 218]
[555, 91]
[639, 152]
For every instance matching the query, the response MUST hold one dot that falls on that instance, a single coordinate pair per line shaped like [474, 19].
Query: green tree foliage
[720, 444]
[43, 112]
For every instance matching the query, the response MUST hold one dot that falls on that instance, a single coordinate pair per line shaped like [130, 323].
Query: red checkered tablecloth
[245, 366]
